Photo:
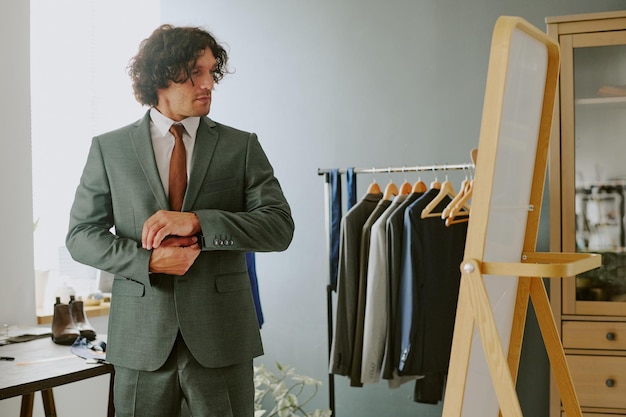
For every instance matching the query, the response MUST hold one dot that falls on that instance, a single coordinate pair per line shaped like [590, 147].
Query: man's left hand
[168, 223]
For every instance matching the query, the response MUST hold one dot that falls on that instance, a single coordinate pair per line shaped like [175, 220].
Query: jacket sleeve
[90, 239]
[264, 225]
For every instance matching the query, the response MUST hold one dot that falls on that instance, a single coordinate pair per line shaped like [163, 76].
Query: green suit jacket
[241, 207]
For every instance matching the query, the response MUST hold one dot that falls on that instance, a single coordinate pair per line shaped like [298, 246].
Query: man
[182, 322]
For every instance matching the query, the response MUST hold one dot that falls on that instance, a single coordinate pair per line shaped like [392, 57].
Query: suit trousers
[209, 392]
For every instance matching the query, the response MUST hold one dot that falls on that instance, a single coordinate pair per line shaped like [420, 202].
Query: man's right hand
[175, 255]
[163, 224]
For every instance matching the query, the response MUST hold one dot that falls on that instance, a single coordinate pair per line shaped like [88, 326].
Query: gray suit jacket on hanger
[240, 205]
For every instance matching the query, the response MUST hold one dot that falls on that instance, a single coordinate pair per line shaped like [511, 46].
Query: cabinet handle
[610, 382]
[610, 336]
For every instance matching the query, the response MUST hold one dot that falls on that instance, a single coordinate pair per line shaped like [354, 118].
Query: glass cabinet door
[594, 183]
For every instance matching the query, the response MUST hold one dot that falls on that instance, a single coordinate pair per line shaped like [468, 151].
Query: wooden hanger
[419, 187]
[436, 185]
[374, 188]
[462, 189]
[460, 211]
[474, 155]
[446, 189]
[465, 216]
[459, 202]
[391, 190]
[405, 188]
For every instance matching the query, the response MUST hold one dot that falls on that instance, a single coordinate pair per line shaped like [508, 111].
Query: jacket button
[216, 242]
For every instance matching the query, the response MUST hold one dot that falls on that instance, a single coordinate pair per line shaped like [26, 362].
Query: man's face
[193, 97]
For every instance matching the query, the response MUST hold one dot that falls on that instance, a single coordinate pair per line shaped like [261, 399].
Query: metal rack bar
[416, 168]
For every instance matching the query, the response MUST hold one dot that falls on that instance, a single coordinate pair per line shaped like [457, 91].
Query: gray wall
[357, 83]
[325, 84]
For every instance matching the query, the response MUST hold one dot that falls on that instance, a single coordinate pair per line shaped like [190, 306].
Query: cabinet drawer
[594, 335]
[600, 381]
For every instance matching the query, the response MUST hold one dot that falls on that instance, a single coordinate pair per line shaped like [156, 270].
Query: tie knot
[177, 130]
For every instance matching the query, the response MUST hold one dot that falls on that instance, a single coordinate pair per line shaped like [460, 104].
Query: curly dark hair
[169, 54]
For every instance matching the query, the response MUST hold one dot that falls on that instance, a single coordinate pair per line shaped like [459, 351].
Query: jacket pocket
[236, 281]
[123, 286]
[219, 185]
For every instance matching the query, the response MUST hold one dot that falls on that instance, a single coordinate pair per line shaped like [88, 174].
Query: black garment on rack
[429, 389]
[433, 253]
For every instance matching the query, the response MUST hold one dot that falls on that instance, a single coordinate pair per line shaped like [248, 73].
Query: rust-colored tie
[178, 169]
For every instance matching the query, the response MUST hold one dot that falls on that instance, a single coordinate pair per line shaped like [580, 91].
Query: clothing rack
[469, 167]
[417, 168]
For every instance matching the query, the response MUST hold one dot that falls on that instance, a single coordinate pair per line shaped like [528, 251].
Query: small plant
[285, 387]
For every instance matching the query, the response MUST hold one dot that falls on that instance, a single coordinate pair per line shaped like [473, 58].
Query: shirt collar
[163, 123]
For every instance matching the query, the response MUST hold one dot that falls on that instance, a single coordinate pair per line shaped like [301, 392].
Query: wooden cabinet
[587, 184]
[600, 381]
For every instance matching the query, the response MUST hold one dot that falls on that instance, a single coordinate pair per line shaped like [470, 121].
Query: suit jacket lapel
[204, 148]
[142, 143]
